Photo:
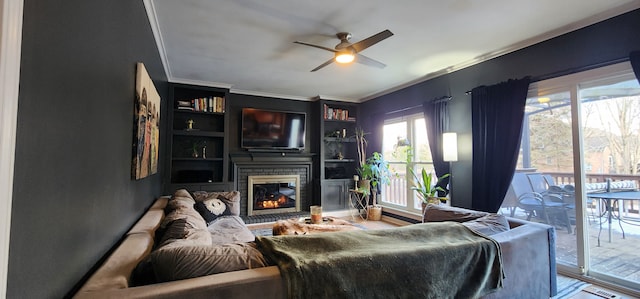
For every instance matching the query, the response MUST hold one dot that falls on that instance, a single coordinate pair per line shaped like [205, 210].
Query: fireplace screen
[273, 194]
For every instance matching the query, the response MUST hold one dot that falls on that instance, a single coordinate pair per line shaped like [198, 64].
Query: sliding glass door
[578, 171]
[610, 118]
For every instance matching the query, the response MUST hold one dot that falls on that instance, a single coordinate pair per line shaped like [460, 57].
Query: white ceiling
[247, 45]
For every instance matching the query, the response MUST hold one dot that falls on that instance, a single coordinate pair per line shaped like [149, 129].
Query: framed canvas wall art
[146, 126]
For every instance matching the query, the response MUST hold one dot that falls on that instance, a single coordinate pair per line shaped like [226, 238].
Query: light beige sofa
[527, 251]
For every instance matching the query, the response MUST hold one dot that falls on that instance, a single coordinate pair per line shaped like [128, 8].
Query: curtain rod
[572, 70]
[436, 100]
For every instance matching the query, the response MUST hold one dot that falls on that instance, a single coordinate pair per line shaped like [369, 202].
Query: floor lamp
[450, 153]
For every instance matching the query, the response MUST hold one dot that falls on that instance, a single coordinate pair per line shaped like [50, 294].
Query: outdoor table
[610, 200]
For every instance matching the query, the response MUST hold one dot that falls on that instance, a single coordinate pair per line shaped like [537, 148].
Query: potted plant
[426, 188]
[373, 171]
[424, 184]
[361, 145]
[376, 170]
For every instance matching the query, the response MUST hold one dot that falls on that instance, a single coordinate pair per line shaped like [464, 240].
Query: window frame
[412, 200]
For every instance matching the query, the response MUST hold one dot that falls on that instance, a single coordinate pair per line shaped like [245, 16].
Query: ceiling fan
[346, 52]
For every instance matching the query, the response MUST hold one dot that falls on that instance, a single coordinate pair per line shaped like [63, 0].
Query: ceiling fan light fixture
[345, 56]
[345, 52]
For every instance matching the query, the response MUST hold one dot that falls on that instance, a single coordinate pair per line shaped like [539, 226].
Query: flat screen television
[272, 130]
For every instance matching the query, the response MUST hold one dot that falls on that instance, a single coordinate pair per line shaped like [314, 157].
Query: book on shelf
[205, 104]
[335, 113]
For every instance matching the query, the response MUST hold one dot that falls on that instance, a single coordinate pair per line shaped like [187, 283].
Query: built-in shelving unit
[198, 142]
[337, 152]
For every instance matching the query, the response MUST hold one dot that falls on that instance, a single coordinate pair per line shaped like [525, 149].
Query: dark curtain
[634, 58]
[497, 112]
[436, 117]
[375, 140]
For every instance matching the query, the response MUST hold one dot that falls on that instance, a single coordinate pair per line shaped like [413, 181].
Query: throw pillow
[188, 212]
[183, 262]
[175, 230]
[181, 198]
[438, 213]
[488, 225]
[231, 198]
[230, 229]
[183, 193]
[193, 237]
[211, 209]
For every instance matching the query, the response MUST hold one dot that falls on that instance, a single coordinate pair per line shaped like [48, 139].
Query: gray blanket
[430, 260]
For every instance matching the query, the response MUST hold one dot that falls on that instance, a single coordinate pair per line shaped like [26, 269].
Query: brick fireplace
[279, 166]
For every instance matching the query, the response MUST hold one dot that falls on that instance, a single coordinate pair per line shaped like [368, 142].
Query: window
[400, 135]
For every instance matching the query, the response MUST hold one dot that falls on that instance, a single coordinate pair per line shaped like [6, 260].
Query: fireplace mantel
[285, 156]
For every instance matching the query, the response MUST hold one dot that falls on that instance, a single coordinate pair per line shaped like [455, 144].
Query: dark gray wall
[73, 193]
[599, 44]
[73, 196]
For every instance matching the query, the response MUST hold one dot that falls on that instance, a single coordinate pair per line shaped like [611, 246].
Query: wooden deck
[620, 257]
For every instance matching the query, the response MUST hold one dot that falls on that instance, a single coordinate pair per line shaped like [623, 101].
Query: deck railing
[395, 192]
[567, 178]
[630, 208]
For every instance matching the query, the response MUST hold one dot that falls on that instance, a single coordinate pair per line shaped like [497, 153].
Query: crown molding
[270, 95]
[157, 34]
[200, 83]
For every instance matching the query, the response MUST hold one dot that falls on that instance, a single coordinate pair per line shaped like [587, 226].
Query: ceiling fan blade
[372, 40]
[315, 46]
[328, 62]
[368, 61]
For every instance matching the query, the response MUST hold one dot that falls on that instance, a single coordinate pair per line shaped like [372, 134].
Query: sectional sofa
[173, 252]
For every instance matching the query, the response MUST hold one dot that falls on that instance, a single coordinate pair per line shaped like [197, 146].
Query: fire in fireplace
[273, 194]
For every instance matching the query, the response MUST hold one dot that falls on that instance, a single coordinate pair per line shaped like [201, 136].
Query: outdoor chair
[544, 205]
[568, 197]
[538, 183]
[549, 179]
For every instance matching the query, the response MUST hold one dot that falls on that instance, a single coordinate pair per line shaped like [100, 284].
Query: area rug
[568, 287]
[262, 232]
